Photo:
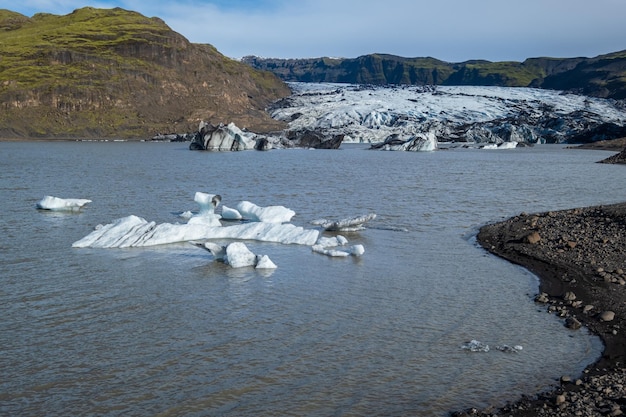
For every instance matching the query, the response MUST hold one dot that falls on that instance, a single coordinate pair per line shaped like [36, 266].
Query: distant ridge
[602, 76]
[113, 73]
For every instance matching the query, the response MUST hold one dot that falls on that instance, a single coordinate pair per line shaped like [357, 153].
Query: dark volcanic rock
[619, 158]
[584, 284]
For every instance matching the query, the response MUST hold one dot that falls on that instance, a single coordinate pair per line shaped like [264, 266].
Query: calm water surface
[167, 331]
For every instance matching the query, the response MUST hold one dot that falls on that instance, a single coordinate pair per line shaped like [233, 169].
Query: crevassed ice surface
[371, 113]
[167, 331]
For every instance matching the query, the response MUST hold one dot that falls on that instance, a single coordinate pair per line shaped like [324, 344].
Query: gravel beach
[580, 258]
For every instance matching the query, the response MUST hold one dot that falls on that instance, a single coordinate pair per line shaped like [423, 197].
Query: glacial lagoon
[167, 330]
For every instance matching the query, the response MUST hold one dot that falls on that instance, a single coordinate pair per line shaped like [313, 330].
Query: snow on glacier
[372, 113]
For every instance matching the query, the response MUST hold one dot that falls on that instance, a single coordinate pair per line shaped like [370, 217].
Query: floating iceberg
[270, 225]
[133, 231]
[61, 204]
[419, 143]
[222, 138]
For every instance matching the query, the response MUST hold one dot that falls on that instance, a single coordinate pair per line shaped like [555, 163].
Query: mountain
[602, 76]
[107, 73]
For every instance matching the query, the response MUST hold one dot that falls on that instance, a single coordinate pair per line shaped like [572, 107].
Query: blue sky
[451, 30]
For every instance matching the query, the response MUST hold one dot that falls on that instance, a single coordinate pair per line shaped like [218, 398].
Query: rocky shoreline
[580, 258]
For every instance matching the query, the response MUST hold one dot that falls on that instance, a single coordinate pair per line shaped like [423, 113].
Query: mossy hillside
[117, 73]
[504, 73]
[67, 46]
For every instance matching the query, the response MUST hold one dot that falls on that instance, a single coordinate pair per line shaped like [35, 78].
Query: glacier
[447, 114]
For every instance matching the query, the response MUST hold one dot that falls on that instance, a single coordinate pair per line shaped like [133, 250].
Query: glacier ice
[61, 204]
[478, 114]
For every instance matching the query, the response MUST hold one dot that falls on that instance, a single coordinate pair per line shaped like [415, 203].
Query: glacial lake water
[167, 331]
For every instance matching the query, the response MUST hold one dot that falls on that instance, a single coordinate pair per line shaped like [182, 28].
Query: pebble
[573, 323]
[533, 238]
[569, 296]
[607, 316]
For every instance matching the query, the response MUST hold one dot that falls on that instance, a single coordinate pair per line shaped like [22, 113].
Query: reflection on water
[169, 331]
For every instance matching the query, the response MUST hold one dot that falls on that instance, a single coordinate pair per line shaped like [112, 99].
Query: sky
[450, 30]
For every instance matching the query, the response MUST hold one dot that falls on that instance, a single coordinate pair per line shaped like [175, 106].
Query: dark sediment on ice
[580, 257]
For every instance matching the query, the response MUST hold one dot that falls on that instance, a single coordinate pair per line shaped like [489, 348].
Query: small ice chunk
[509, 349]
[230, 214]
[331, 242]
[264, 262]
[351, 224]
[270, 214]
[186, 215]
[61, 204]
[475, 346]
[207, 202]
[329, 252]
[238, 255]
[356, 250]
[218, 251]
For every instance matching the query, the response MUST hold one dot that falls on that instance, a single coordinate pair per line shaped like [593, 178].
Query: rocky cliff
[113, 73]
[602, 76]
